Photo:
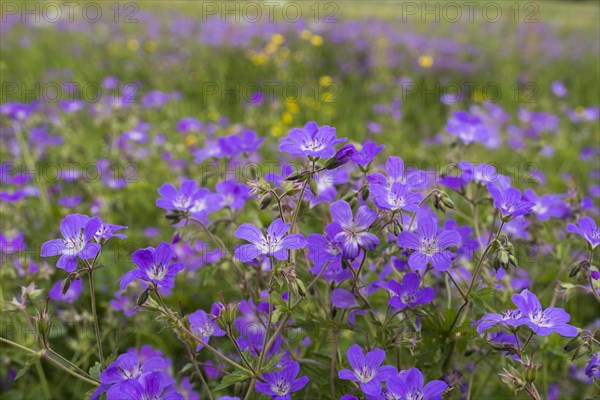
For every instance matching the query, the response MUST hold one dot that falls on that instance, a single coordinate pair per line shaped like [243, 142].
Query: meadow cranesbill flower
[408, 294]
[312, 140]
[233, 194]
[586, 228]
[547, 206]
[153, 266]
[394, 166]
[153, 385]
[593, 368]
[429, 246]
[78, 231]
[509, 318]
[467, 127]
[354, 234]
[280, 384]
[325, 249]
[397, 197]
[275, 244]
[343, 299]
[128, 366]
[543, 322]
[326, 181]
[178, 200]
[367, 369]
[510, 202]
[203, 326]
[367, 153]
[410, 385]
[70, 295]
[341, 157]
[107, 231]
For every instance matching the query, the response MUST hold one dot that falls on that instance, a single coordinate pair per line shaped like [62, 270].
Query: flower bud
[341, 157]
[314, 188]
[265, 201]
[299, 176]
[142, 299]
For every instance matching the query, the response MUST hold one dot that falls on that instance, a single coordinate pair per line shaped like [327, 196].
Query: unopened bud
[341, 157]
[142, 299]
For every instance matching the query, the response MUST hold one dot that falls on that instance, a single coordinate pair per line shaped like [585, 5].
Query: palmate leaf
[230, 379]
[272, 362]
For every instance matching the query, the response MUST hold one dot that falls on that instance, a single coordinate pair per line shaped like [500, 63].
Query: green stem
[43, 354]
[95, 314]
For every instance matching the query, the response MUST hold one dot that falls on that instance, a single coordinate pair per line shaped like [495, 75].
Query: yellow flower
[316, 40]
[276, 130]
[150, 46]
[213, 116]
[270, 48]
[305, 34]
[287, 118]
[133, 44]
[259, 58]
[325, 80]
[190, 140]
[292, 107]
[425, 61]
[477, 96]
[277, 38]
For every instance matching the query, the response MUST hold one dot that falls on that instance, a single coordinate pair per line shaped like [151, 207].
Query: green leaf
[23, 370]
[230, 379]
[272, 362]
[95, 370]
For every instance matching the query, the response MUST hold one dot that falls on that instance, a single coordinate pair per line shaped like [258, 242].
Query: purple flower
[78, 231]
[275, 244]
[341, 157]
[280, 384]
[311, 140]
[326, 181]
[593, 368]
[547, 206]
[409, 385]
[398, 197]
[153, 385]
[429, 246]
[367, 153]
[153, 265]
[354, 234]
[367, 370]
[394, 167]
[204, 326]
[182, 199]
[508, 318]
[510, 202]
[408, 293]
[469, 128]
[128, 366]
[107, 231]
[559, 89]
[343, 299]
[233, 194]
[189, 124]
[325, 249]
[70, 296]
[543, 322]
[586, 228]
